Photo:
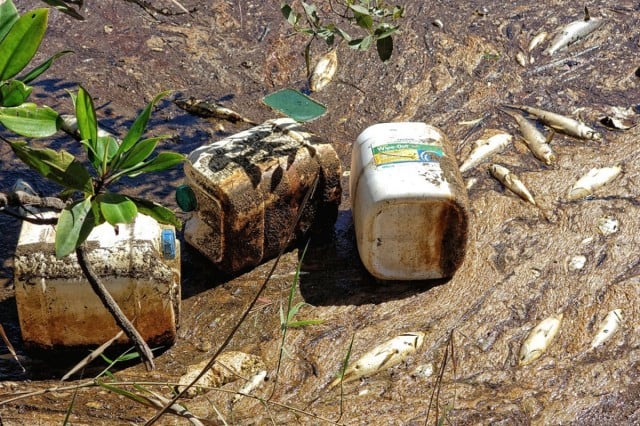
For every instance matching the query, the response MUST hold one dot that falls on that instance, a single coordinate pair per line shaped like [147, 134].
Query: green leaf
[117, 208]
[74, 226]
[293, 310]
[364, 20]
[327, 34]
[97, 214]
[139, 152]
[163, 161]
[106, 149]
[86, 116]
[37, 71]
[358, 9]
[14, 93]
[8, 16]
[385, 48]
[311, 12]
[30, 120]
[361, 43]
[138, 126]
[73, 97]
[289, 14]
[398, 12]
[57, 166]
[304, 323]
[385, 30]
[343, 34]
[22, 42]
[64, 8]
[127, 394]
[156, 211]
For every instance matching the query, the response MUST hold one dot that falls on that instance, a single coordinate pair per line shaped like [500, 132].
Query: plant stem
[112, 306]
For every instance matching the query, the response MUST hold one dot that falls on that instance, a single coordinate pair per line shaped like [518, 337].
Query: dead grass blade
[94, 383]
[449, 352]
[153, 400]
[345, 364]
[93, 355]
[12, 351]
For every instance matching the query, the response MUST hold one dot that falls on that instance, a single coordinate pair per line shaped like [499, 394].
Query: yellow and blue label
[404, 152]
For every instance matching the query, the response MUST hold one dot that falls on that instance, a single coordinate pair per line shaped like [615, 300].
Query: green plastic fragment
[186, 198]
[295, 104]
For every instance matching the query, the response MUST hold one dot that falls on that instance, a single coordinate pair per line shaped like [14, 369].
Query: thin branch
[21, 199]
[93, 355]
[112, 306]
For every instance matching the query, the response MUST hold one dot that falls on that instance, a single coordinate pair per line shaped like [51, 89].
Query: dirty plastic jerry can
[409, 203]
[249, 189]
[139, 264]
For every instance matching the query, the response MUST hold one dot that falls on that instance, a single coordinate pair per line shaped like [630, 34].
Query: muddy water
[516, 272]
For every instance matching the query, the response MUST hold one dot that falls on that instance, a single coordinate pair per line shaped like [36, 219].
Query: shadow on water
[332, 273]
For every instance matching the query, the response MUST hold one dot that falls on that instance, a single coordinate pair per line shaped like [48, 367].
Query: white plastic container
[249, 188]
[139, 265]
[408, 201]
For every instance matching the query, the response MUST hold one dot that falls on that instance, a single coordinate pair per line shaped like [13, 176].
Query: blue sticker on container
[168, 244]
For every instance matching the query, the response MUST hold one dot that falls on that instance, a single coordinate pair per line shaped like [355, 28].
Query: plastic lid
[186, 198]
[295, 104]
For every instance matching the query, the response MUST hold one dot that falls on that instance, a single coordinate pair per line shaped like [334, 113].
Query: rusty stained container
[408, 201]
[139, 265]
[249, 189]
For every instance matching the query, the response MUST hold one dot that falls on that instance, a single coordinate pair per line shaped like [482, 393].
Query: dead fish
[471, 183]
[229, 366]
[539, 339]
[608, 225]
[494, 141]
[620, 118]
[521, 58]
[535, 140]
[208, 109]
[324, 71]
[512, 182]
[593, 180]
[253, 383]
[616, 123]
[537, 40]
[574, 263]
[386, 355]
[573, 32]
[607, 328]
[561, 123]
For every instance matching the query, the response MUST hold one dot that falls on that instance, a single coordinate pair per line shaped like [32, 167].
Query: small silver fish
[386, 355]
[561, 123]
[537, 40]
[253, 383]
[608, 225]
[593, 180]
[573, 32]
[512, 182]
[492, 141]
[521, 58]
[607, 328]
[535, 140]
[208, 109]
[324, 71]
[229, 366]
[539, 339]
